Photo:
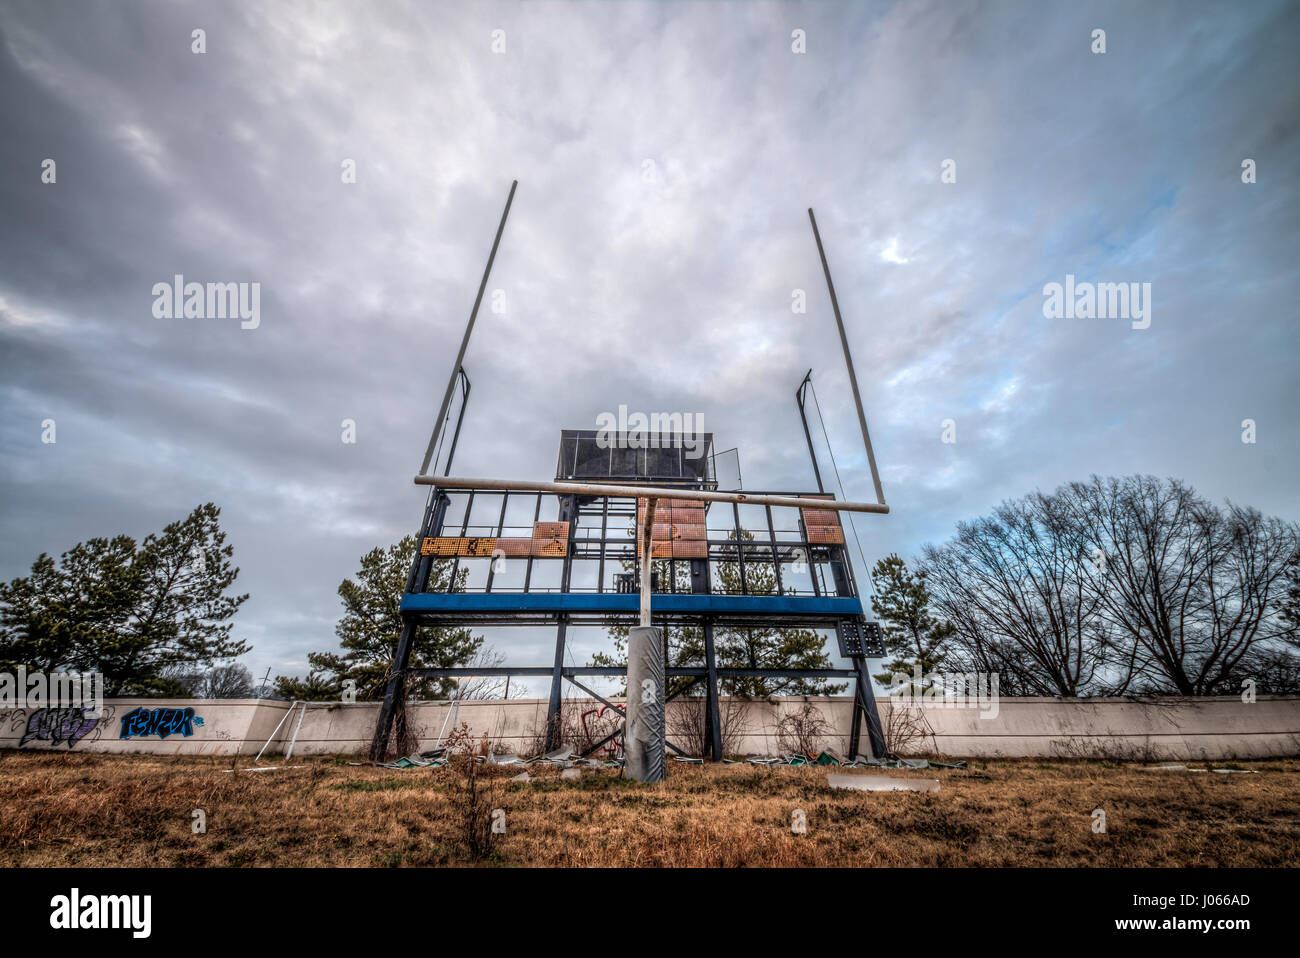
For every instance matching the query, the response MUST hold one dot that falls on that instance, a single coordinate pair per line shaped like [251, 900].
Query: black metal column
[416, 581]
[713, 720]
[568, 513]
[866, 699]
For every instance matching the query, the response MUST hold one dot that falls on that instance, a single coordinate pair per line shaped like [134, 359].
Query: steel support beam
[464, 343]
[416, 581]
[848, 361]
[642, 492]
[713, 719]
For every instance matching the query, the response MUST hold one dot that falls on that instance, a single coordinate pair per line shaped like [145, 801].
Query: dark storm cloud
[666, 154]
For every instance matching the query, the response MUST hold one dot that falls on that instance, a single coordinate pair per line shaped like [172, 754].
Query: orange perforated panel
[550, 548]
[515, 547]
[659, 548]
[820, 517]
[550, 530]
[458, 546]
[825, 535]
[690, 549]
[686, 531]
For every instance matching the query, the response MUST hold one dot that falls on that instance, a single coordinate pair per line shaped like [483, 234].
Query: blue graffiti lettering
[161, 722]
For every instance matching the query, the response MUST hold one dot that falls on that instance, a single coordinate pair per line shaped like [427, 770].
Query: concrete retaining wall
[1207, 728]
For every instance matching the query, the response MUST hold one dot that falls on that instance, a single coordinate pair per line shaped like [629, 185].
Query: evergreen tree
[132, 613]
[371, 626]
[910, 634]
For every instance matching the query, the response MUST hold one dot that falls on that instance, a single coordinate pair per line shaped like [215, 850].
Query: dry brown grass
[101, 810]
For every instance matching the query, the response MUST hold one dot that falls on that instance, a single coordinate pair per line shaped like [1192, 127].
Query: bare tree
[688, 723]
[1194, 589]
[230, 681]
[1014, 585]
[486, 686]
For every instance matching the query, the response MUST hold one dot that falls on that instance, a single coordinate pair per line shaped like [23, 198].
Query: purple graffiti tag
[57, 726]
[161, 722]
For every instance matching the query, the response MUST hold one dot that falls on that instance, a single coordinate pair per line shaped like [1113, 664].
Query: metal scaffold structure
[634, 532]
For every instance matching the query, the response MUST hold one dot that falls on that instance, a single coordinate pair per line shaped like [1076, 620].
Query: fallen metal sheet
[1170, 768]
[883, 783]
[686, 759]
[1235, 771]
[505, 760]
[522, 777]
[559, 755]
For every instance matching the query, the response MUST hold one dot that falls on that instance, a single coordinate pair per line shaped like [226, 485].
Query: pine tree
[911, 635]
[371, 626]
[132, 613]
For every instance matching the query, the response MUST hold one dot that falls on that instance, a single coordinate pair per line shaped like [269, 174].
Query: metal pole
[803, 416]
[464, 343]
[647, 570]
[848, 361]
[460, 420]
[642, 492]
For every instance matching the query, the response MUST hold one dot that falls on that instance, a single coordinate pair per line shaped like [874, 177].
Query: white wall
[1207, 728]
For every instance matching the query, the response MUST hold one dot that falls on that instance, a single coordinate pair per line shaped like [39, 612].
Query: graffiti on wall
[58, 726]
[160, 721]
[65, 726]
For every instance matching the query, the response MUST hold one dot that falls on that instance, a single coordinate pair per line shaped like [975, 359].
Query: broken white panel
[883, 783]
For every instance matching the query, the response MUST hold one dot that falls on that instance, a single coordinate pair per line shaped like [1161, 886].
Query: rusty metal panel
[550, 530]
[825, 535]
[820, 517]
[690, 549]
[659, 548]
[688, 531]
[458, 546]
[550, 548]
[515, 547]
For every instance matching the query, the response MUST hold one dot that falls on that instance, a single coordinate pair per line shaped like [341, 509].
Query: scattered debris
[1235, 771]
[571, 773]
[688, 760]
[830, 757]
[1170, 768]
[505, 760]
[414, 761]
[883, 783]
[262, 768]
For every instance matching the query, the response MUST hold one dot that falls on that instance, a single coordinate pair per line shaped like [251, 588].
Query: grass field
[69, 809]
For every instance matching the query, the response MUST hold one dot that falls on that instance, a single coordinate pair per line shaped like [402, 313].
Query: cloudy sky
[666, 155]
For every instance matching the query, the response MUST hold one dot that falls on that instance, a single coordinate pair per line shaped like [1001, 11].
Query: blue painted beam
[684, 603]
